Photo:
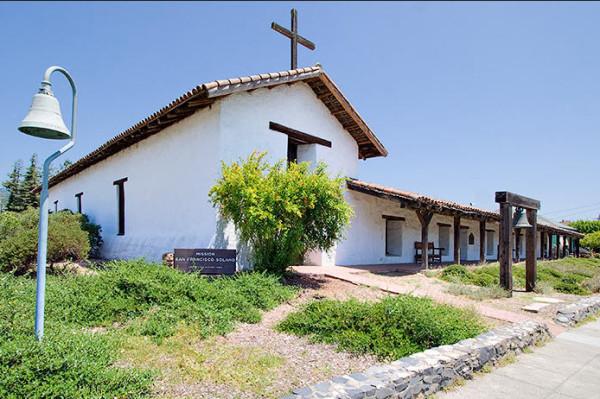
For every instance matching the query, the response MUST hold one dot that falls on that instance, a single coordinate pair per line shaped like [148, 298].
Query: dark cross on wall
[294, 37]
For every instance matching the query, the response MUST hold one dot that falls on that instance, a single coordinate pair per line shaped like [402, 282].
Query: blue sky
[469, 98]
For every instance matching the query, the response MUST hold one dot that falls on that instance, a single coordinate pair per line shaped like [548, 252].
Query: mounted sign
[205, 261]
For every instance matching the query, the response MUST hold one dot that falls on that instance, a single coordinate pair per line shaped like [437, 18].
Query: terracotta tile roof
[206, 94]
[419, 200]
[446, 207]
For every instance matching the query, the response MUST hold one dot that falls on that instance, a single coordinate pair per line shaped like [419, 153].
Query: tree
[31, 183]
[591, 241]
[14, 186]
[586, 226]
[281, 212]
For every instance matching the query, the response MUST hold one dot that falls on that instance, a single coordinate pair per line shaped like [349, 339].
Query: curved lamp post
[44, 120]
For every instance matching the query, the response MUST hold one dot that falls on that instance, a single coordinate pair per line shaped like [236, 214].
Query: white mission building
[148, 186]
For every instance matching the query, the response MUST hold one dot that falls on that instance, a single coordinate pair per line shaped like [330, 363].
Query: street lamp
[44, 120]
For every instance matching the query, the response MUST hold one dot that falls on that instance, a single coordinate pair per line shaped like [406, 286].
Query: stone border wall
[573, 313]
[427, 372]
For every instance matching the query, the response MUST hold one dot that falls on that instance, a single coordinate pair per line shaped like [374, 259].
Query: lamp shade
[522, 222]
[44, 119]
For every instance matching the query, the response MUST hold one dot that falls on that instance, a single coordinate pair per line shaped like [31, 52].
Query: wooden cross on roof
[295, 38]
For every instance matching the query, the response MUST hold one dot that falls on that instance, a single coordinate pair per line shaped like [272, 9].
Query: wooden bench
[434, 254]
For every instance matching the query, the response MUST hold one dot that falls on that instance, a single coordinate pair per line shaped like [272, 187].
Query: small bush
[392, 328]
[281, 211]
[67, 238]
[591, 241]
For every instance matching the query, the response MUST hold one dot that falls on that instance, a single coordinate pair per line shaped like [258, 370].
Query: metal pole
[43, 225]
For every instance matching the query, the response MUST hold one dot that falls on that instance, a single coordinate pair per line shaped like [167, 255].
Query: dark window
[121, 204]
[292, 151]
[56, 206]
[78, 197]
[393, 237]
[471, 239]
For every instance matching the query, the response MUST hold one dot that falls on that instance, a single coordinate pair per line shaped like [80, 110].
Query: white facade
[170, 173]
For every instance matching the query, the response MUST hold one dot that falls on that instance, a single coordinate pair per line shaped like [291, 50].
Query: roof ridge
[204, 94]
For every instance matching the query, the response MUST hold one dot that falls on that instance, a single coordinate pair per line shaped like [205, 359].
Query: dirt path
[256, 361]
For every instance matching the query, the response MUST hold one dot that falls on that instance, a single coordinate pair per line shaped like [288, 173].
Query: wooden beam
[577, 247]
[457, 239]
[482, 241]
[425, 219]
[505, 197]
[285, 32]
[530, 251]
[390, 217]
[505, 247]
[301, 137]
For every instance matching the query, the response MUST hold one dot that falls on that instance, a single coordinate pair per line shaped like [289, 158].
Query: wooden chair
[434, 254]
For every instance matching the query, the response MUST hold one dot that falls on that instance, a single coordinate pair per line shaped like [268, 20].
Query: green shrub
[141, 298]
[591, 241]
[392, 328]
[281, 211]
[569, 275]
[67, 240]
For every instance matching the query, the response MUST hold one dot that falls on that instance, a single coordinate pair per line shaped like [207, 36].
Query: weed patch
[126, 300]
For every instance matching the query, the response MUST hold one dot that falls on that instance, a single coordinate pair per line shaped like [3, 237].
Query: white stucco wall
[244, 126]
[365, 237]
[166, 203]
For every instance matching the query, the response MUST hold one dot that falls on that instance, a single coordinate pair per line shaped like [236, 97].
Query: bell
[44, 118]
[521, 220]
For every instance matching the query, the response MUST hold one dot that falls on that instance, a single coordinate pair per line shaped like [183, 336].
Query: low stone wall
[573, 313]
[427, 372]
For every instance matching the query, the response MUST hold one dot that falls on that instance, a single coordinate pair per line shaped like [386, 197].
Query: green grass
[128, 299]
[577, 276]
[391, 328]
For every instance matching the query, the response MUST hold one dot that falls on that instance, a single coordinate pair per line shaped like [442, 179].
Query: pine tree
[14, 186]
[31, 182]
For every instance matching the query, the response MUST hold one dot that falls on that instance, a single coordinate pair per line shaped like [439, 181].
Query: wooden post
[577, 247]
[517, 245]
[564, 247]
[482, 241]
[530, 251]
[425, 218]
[457, 239]
[505, 246]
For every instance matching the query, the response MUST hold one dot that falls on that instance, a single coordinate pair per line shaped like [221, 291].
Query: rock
[427, 372]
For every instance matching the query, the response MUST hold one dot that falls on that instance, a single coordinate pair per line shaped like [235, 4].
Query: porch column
[577, 247]
[425, 218]
[482, 241]
[570, 245]
[564, 247]
[530, 249]
[558, 250]
[457, 240]
[542, 244]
